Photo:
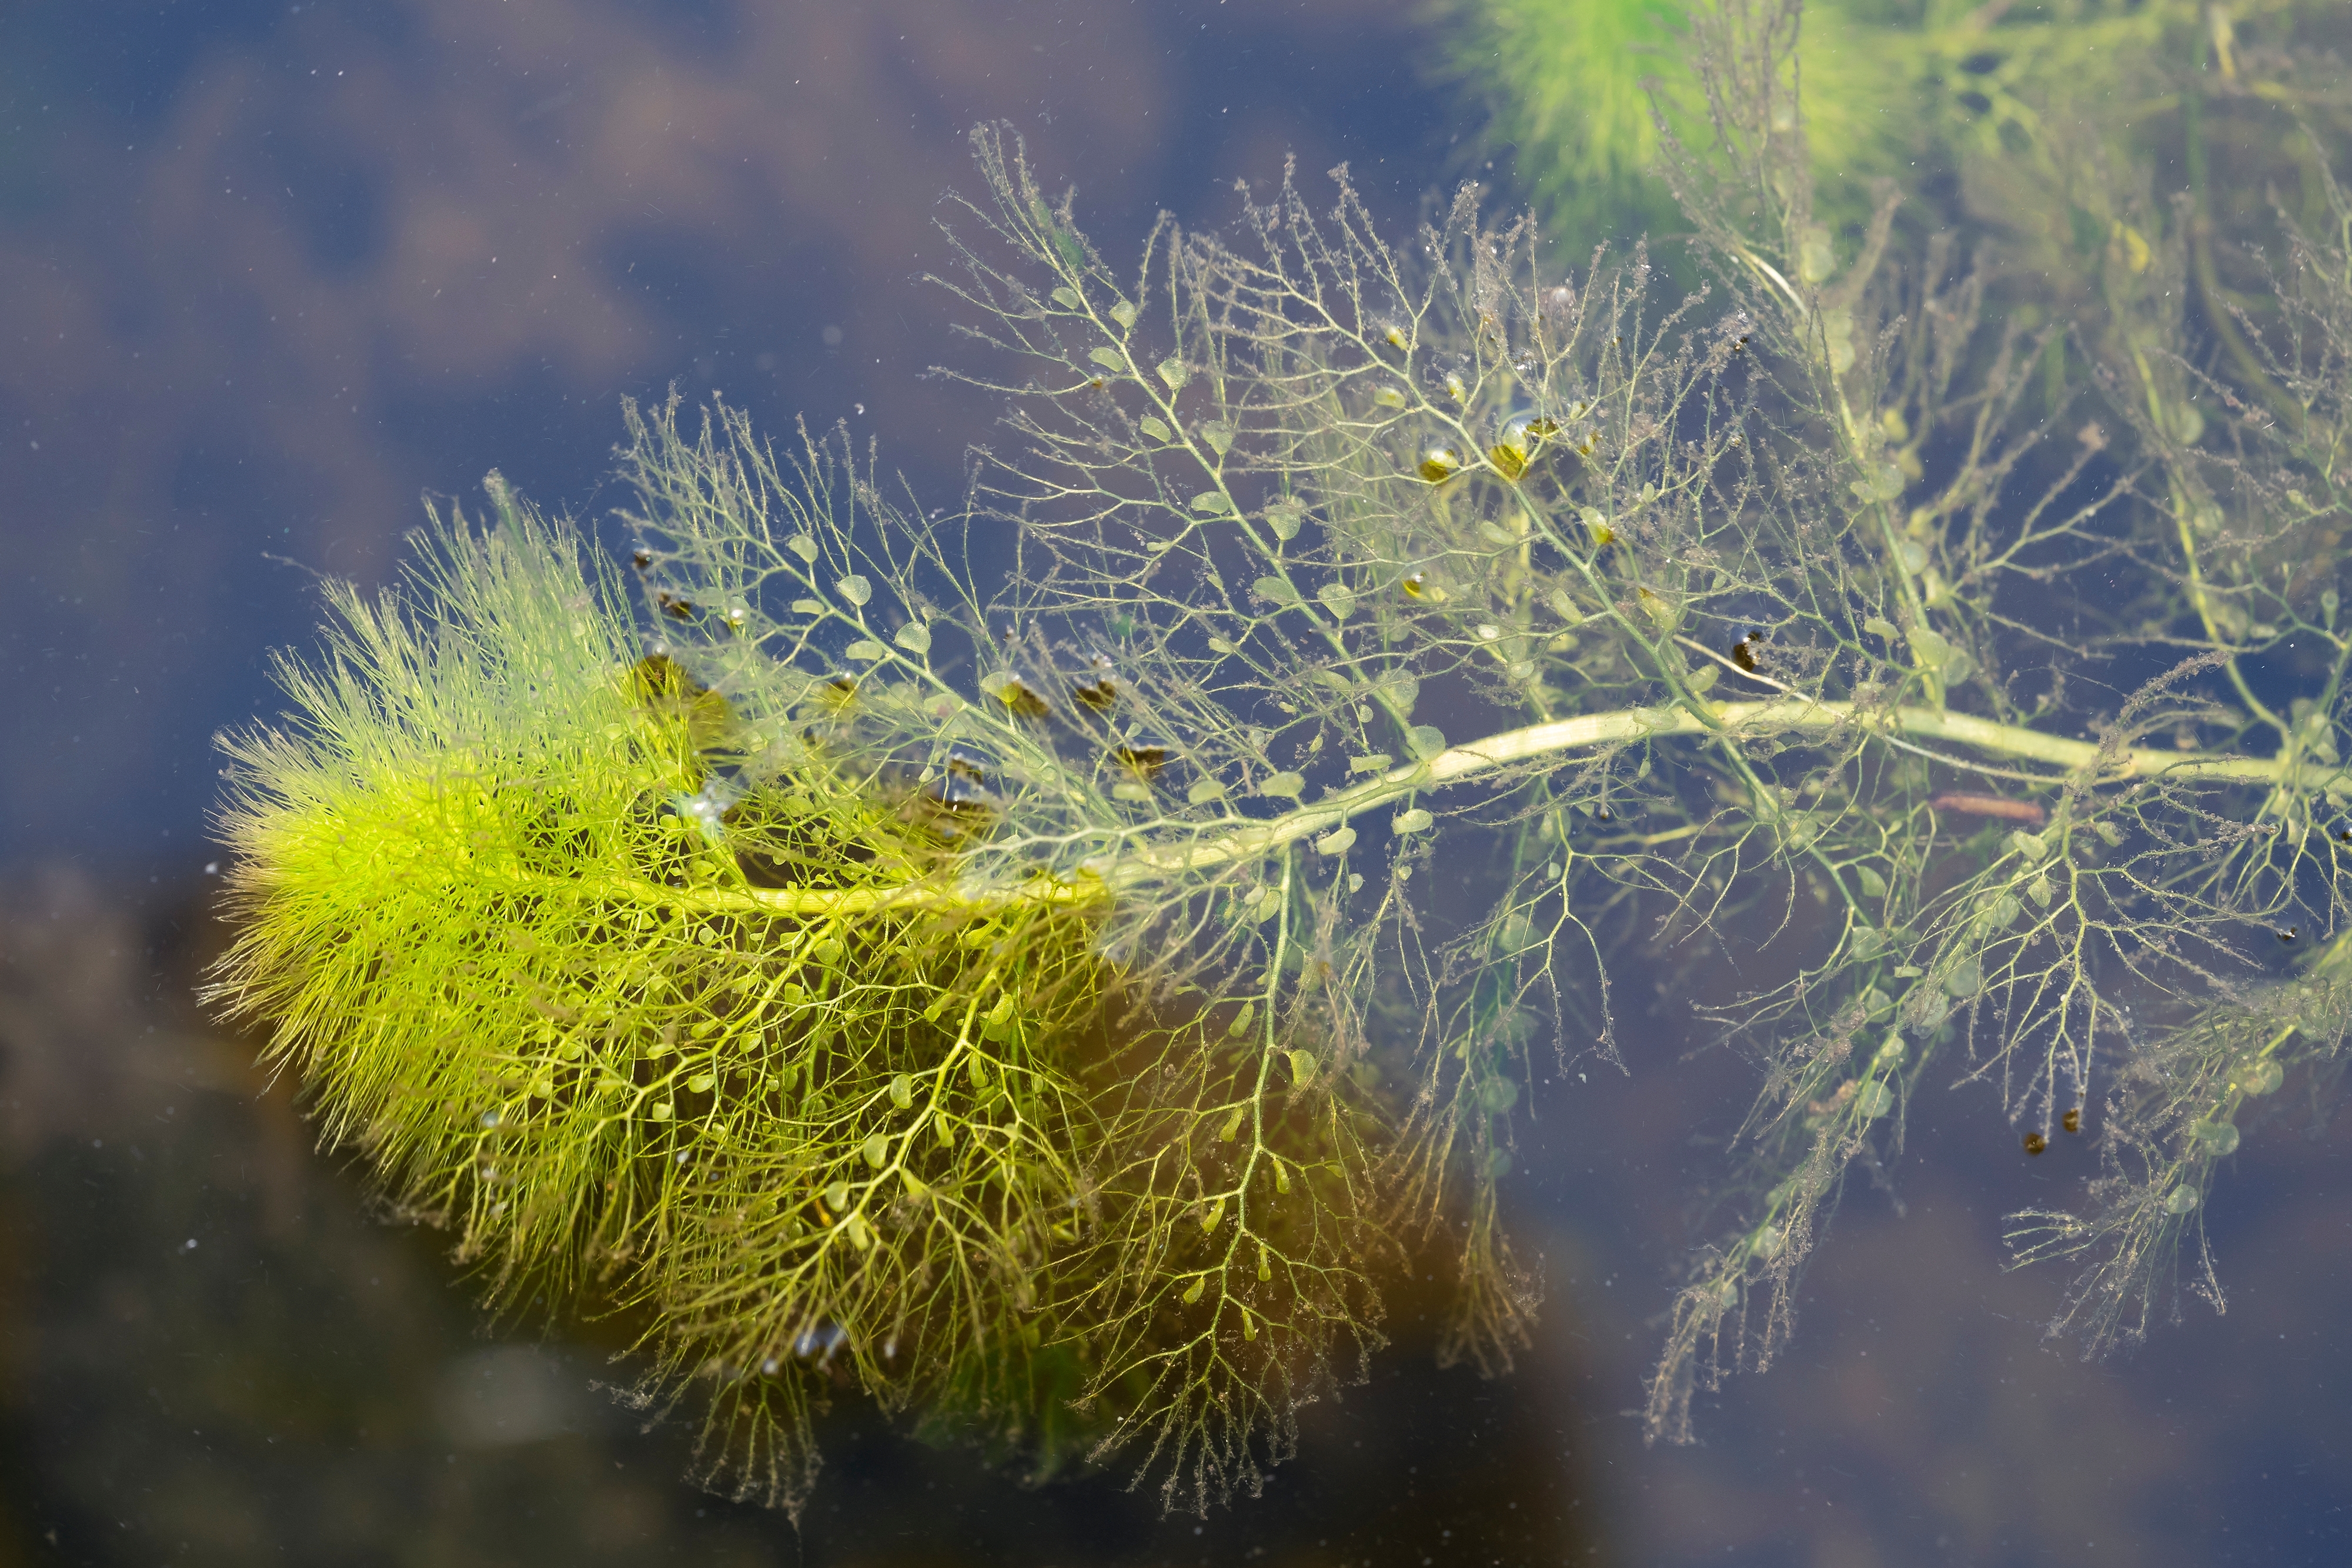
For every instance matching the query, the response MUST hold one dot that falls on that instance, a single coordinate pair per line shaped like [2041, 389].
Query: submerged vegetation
[1027, 1004]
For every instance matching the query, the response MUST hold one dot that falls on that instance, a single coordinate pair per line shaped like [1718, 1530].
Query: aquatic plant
[995, 965]
[1991, 112]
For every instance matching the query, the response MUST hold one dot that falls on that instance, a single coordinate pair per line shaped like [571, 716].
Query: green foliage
[1996, 104]
[1028, 1006]
[689, 1003]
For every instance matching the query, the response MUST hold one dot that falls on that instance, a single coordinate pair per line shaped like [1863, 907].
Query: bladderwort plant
[996, 967]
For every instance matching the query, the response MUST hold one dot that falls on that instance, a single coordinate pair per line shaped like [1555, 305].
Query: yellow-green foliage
[763, 1071]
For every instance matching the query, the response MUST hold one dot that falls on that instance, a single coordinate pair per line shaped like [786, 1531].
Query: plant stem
[1228, 844]
[1460, 763]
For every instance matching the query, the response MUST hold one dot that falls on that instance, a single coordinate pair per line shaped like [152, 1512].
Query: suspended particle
[1439, 464]
[2073, 1120]
[2035, 1143]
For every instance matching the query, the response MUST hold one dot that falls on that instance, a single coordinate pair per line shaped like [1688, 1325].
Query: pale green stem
[1229, 844]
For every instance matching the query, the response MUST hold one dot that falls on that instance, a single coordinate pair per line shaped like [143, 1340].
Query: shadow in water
[219, 1351]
